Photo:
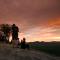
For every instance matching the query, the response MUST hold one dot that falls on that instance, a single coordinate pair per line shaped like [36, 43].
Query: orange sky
[37, 19]
[48, 32]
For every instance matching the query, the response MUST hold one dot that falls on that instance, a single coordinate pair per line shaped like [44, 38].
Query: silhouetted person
[23, 43]
[15, 31]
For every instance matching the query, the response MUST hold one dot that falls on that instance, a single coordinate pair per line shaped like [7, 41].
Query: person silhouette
[15, 31]
[23, 43]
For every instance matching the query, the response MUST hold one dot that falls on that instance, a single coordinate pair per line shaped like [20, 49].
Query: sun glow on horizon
[41, 34]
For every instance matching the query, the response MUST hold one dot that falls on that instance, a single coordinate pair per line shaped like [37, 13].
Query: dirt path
[19, 54]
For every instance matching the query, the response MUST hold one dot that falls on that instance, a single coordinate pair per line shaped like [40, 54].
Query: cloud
[31, 15]
[28, 8]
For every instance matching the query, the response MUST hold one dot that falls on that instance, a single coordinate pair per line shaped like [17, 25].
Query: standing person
[15, 31]
[24, 43]
[21, 44]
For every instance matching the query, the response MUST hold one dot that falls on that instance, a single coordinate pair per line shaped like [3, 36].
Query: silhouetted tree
[6, 29]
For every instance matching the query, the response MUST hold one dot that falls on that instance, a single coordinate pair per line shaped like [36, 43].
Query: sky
[38, 20]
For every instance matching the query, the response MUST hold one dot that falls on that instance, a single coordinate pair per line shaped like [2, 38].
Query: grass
[51, 48]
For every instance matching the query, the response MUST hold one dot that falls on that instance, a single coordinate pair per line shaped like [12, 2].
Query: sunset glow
[38, 20]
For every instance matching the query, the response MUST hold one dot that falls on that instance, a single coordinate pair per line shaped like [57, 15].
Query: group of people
[15, 39]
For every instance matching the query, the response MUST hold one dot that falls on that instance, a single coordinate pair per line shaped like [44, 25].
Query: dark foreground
[7, 52]
[52, 48]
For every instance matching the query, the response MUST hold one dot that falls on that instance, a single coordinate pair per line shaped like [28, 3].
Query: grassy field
[52, 48]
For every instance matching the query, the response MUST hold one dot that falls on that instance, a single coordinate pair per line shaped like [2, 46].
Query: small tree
[6, 29]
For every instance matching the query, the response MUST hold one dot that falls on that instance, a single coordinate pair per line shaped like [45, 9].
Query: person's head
[13, 25]
[24, 39]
